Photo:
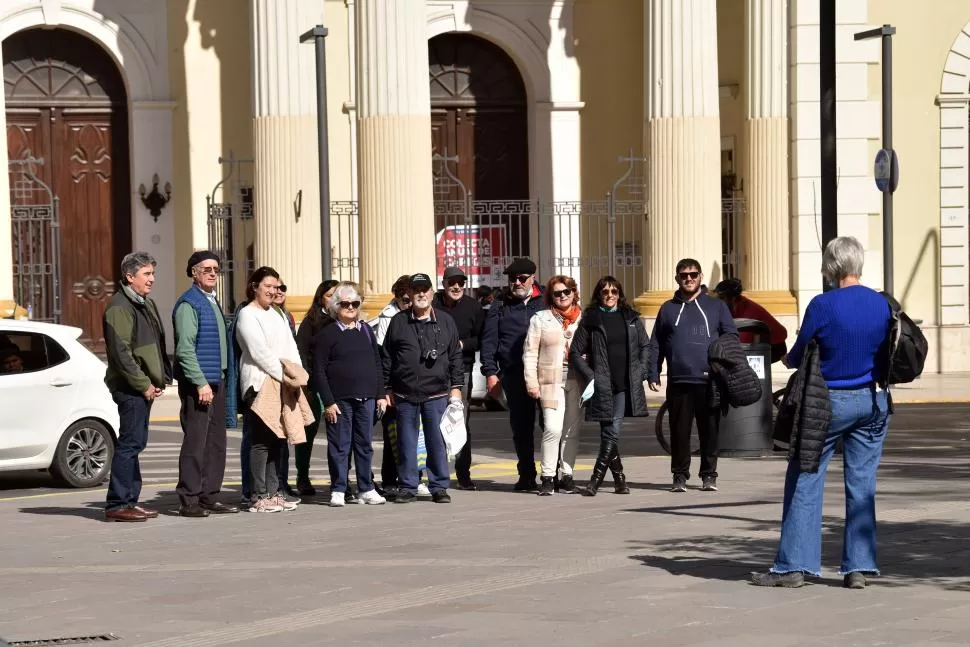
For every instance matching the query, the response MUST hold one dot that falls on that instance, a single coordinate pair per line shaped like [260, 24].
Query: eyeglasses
[562, 293]
[282, 288]
[210, 270]
[688, 275]
[609, 292]
[348, 305]
[452, 282]
[521, 278]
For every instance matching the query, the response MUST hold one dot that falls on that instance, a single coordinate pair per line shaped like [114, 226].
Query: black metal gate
[230, 211]
[36, 242]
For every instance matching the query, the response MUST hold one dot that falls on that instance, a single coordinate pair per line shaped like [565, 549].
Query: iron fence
[230, 211]
[34, 215]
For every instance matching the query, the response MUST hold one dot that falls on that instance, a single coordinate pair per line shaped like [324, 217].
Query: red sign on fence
[480, 250]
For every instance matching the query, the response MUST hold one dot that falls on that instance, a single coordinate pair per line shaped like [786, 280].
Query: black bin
[746, 431]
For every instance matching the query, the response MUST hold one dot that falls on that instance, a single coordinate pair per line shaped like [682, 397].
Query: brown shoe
[125, 514]
[148, 512]
[219, 508]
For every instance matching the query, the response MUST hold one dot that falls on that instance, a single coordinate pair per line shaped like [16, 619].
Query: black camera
[430, 355]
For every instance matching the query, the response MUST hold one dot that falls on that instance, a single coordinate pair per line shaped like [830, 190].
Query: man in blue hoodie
[685, 327]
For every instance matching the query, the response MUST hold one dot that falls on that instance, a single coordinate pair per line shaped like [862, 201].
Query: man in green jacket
[138, 370]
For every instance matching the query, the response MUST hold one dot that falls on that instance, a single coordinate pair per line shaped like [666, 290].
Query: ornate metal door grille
[36, 241]
[230, 212]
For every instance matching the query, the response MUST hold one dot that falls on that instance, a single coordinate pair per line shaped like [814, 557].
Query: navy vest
[209, 339]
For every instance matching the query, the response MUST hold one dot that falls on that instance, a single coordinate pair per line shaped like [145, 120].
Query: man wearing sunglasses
[503, 343]
[685, 327]
[469, 317]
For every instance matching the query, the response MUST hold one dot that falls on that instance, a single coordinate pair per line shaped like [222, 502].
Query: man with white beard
[423, 372]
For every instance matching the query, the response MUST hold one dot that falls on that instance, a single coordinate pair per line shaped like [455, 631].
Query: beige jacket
[285, 410]
[546, 349]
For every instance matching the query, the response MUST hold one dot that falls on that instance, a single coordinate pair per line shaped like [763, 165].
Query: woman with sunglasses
[280, 304]
[610, 350]
[549, 379]
[348, 377]
[316, 319]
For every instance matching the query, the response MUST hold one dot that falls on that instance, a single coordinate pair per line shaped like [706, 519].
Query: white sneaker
[423, 490]
[266, 505]
[336, 499]
[371, 498]
[284, 504]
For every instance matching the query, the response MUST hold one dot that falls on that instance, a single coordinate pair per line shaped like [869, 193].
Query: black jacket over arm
[590, 341]
[805, 413]
[734, 382]
[406, 374]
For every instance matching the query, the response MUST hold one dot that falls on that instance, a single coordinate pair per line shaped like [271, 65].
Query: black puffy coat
[734, 382]
[805, 413]
[588, 354]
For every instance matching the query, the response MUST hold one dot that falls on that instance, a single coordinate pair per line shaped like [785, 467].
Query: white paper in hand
[587, 393]
[453, 430]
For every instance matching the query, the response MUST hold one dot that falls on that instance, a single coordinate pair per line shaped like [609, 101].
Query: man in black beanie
[201, 351]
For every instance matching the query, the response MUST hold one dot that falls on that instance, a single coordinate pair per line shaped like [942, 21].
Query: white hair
[843, 257]
[344, 291]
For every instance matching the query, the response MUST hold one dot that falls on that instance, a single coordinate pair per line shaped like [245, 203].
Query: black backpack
[907, 346]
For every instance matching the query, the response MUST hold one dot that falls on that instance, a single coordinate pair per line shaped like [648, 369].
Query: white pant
[561, 431]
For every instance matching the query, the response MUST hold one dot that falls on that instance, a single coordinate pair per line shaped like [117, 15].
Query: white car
[57, 413]
[479, 394]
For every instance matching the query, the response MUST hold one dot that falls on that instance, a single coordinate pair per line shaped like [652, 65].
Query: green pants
[305, 450]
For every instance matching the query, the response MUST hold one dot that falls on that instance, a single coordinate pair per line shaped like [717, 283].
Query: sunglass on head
[688, 275]
[210, 270]
[565, 292]
[521, 278]
[609, 291]
[460, 282]
[347, 305]
[282, 288]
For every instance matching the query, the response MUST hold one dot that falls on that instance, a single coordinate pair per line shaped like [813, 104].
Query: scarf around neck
[568, 316]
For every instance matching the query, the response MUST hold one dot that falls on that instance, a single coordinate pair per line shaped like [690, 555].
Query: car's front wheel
[83, 455]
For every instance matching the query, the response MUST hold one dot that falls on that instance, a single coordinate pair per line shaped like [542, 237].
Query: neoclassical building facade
[595, 136]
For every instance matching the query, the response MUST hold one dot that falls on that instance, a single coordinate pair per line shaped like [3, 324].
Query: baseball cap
[420, 280]
[453, 272]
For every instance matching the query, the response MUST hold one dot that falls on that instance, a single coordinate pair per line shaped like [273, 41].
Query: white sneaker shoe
[284, 504]
[336, 499]
[423, 490]
[371, 498]
[266, 505]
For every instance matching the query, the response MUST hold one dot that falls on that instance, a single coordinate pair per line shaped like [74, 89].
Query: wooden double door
[66, 105]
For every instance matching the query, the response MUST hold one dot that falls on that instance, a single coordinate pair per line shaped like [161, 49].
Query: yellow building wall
[730, 69]
[209, 72]
[920, 47]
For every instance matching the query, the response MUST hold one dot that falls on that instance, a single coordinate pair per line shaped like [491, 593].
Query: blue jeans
[860, 417]
[352, 430]
[125, 485]
[429, 413]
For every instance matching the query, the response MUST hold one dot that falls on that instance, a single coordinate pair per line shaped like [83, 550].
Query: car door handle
[59, 381]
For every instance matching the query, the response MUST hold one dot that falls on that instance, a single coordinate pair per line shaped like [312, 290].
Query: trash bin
[746, 431]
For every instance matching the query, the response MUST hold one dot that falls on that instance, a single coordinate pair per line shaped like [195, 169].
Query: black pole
[319, 34]
[827, 116]
[887, 144]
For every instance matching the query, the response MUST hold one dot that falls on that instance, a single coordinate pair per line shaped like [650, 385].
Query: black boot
[619, 478]
[599, 469]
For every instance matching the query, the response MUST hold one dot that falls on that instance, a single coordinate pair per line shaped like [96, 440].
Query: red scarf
[569, 316]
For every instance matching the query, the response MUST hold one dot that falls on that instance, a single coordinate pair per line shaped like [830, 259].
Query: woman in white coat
[549, 378]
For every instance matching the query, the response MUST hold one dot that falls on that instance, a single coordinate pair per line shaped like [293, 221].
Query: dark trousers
[463, 461]
[283, 466]
[282, 461]
[304, 451]
[264, 454]
[687, 403]
[389, 455]
[351, 432]
[610, 429]
[429, 413]
[124, 487]
[522, 419]
[202, 461]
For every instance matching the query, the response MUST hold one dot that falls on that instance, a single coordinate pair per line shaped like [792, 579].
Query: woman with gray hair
[348, 377]
[850, 325]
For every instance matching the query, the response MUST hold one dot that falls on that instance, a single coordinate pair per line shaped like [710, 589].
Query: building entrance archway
[67, 109]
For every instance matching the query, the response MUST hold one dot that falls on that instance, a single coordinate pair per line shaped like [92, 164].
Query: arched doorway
[66, 106]
[478, 114]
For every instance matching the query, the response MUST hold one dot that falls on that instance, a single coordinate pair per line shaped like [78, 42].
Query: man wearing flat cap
[502, 342]
[201, 351]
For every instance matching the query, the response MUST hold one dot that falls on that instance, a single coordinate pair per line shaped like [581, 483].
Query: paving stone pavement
[497, 567]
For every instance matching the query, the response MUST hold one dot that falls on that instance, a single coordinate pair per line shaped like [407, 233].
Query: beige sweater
[546, 348]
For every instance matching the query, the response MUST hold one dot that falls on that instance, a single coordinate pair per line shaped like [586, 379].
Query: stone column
[286, 189]
[7, 303]
[682, 144]
[394, 146]
[765, 244]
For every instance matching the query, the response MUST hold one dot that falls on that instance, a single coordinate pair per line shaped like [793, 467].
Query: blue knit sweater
[851, 326]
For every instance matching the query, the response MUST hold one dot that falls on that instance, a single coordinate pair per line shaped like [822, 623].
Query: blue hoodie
[681, 335]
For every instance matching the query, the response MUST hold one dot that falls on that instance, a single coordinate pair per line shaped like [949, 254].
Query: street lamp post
[318, 35]
[887, 165]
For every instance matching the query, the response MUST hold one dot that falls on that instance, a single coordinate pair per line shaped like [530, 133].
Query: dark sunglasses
[282, 288]
[405, 299]
[460, 282]
[608, 291]
[688, 275]
[347, 305]
[521, 278]
[562, 293]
